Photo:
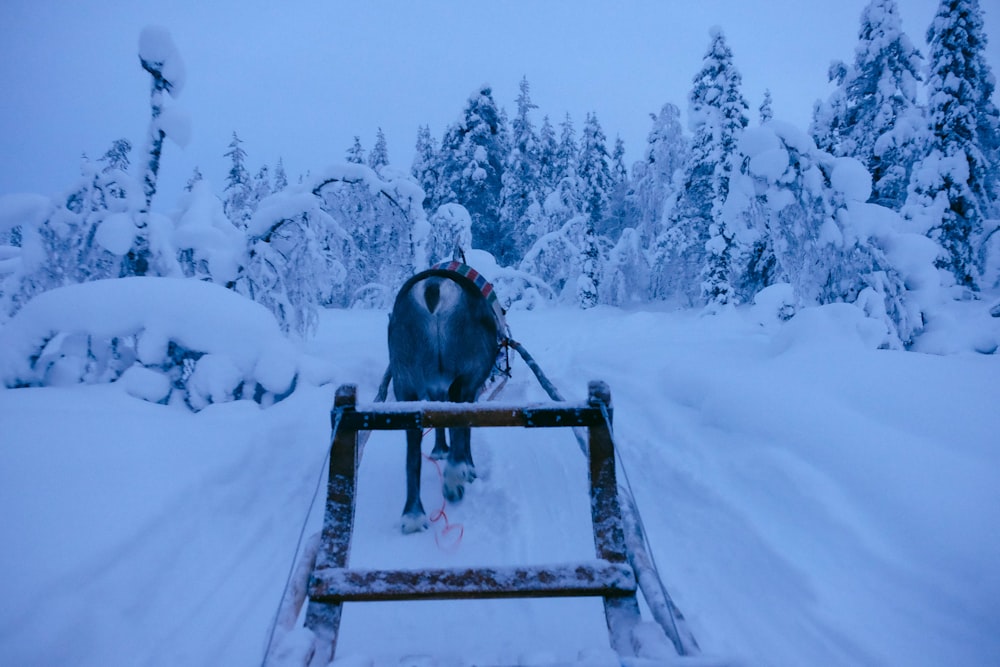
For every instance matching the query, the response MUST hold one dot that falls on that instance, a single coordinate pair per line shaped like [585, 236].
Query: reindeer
[443, 341]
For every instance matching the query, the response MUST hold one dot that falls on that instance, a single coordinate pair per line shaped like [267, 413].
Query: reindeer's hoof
[414, 523]
[439, 453]
[456, 476]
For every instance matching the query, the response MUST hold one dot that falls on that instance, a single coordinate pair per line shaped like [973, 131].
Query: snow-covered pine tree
[595, 182]
[874, 115]
[116, 157]
[547, 147]
[356, 154]
[589, 282]
[766, 108]
[260, 187]
[520, 196]
[567, 152]
[653, 176]
[698, 252]
[280, 177]
[594, 172]
[471, 172]
[379, 157]
[425, 168]
[238, 190]
[952, 187]
[566, 200]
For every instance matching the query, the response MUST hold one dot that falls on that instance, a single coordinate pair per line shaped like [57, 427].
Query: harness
[463, 273]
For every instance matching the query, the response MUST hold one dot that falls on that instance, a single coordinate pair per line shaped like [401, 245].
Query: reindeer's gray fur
[442, 345]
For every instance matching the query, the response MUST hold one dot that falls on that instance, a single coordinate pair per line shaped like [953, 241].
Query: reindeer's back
[442, 340]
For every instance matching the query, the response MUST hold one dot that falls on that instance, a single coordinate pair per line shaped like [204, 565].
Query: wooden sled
[609, 575]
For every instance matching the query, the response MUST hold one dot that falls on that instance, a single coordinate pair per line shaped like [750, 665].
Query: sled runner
[333, 582]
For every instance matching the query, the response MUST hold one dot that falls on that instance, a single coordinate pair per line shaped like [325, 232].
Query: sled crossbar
[595, 578]
[609, 575]
[396, 416]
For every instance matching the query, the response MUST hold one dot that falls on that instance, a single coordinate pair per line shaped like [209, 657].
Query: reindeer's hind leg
[459, 471]
[414, 517]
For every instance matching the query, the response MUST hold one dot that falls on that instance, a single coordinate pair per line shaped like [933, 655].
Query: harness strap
[483, 285]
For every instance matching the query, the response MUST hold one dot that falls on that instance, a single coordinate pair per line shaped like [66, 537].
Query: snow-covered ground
[810, 500]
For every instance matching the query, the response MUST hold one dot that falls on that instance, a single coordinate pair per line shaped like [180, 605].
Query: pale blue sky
[299, 79]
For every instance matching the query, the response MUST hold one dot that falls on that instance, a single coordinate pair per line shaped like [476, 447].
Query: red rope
[438, 515]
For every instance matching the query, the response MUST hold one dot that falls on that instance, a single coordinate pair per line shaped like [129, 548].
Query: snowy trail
[809, 500]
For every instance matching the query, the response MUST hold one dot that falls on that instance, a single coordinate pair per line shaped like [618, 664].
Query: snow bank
[168, 339]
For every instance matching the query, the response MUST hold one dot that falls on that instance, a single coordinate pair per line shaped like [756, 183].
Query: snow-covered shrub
[166, 340]
[450, 234]
[823, 238]
[209, 246]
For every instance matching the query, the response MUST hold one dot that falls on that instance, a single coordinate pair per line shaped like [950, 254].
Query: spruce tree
[594, 170]
[471, 172]
[873, 115]
[766, 109]
[957, 181]
[653, 176]
[356, 154]
[520, 208]
[425, 168]
[280, 177]
[379, 157]
[547, 156]
[698, 252]
[238, 187]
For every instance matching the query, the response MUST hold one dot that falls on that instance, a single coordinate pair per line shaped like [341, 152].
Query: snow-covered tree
[382, 213]
[159, 57]
[520, 196]
[818, 233]
[766, 108]
[471, 172]
[208, 246]
[555, 259]
[589, 282]
[81, 236]
[626, 271]
[450, 235]
[239, 189]
[547, 148]
[425, 169]
[261, 186]
[653, 176]
[356, 154]
[620, 211]
[280, 177]
[873, 114]
[565, 202]
[594, 172]
[697, 253]
[116, 157]
[954, 189]
[379, 157]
